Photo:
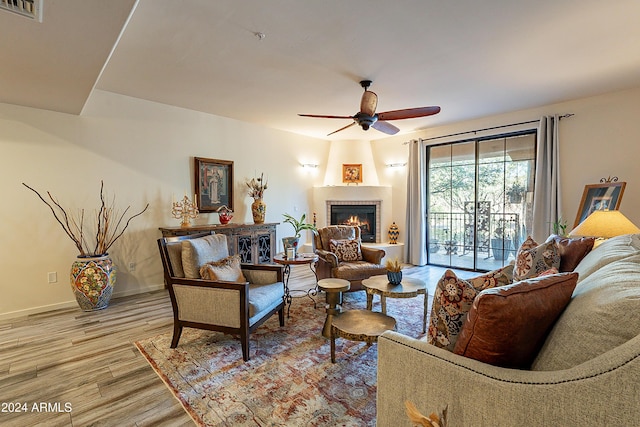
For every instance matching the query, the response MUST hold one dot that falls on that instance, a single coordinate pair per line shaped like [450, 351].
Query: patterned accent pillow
[227, 269]
[452, 301]
[346, 250]
[533, 259]
[500, 277]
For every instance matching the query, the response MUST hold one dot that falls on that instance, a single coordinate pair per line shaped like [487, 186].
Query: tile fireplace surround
[324, 197]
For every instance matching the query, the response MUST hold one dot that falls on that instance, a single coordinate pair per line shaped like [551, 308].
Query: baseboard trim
[72, 303]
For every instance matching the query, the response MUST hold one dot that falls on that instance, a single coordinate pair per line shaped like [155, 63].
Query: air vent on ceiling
[31, 9]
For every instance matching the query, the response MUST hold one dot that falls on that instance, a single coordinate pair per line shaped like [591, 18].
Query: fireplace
[364, 216]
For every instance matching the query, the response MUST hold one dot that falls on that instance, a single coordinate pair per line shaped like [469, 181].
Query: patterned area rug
[289, 380]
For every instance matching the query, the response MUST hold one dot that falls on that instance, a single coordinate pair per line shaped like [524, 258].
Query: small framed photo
[352, 173]
[214, 183]
[605, 196]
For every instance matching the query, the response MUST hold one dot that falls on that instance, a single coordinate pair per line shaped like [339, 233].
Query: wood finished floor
[88, 360]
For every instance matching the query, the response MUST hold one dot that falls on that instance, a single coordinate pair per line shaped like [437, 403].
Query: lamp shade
[605, 224]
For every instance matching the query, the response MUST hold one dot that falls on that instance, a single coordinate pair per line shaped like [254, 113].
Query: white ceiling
[473, 58]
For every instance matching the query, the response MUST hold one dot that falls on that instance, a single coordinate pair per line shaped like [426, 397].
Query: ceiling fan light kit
[367, 118]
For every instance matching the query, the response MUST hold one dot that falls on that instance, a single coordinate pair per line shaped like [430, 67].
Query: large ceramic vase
[92, 280]
[258, 210]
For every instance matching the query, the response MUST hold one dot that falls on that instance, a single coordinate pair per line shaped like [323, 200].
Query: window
[480, 200]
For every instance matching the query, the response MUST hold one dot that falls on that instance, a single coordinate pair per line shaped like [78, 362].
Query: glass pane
[480, 223]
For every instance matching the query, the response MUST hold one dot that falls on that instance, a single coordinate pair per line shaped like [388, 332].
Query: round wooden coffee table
[359, 325]
[410, 287]
[333, 288]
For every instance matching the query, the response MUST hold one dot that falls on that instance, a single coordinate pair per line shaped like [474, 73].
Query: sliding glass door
[480, 195]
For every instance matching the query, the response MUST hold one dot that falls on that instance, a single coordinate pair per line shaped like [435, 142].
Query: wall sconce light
[396, 165]
[309, 165]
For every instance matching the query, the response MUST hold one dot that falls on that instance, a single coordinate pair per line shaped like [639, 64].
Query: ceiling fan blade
[336, 131]
[385, 127]
[368, 103]
[326, 117]
[408, 113]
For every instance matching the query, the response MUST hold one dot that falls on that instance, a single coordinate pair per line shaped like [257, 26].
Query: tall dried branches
[107, 232]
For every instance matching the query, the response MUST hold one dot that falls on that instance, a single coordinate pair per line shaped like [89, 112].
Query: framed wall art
[352, 173]
[603, 196]
[214, 183]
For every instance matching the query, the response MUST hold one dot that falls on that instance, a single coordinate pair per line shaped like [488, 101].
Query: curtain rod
[491, 128]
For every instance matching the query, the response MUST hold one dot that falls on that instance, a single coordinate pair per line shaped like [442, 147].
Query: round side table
[410, 287]
[359, 325]
[299, 260]
[333, 289]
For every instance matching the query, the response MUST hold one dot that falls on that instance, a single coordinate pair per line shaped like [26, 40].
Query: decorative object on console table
[597, 197]
[224, 214]
[352, 173]
[214, 183]
[256, 190]
[298, 226]
[185, 210]
[93, 274]
[394, 233]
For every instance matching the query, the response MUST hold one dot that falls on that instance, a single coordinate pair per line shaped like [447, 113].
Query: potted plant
[92, 273]
[500, 244]
[560, 227]
[394, 271]
[515, 192]
[298, 226]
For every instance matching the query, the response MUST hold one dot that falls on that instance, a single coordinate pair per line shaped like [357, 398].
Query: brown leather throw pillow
[507, 326]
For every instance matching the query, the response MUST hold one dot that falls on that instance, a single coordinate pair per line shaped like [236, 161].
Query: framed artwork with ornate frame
[214, 183]
[352, 173]
[604, 196]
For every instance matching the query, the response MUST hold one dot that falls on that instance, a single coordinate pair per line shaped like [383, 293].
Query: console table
[255, 243]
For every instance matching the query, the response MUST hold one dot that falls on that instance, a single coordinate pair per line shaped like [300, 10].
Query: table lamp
[604, 224]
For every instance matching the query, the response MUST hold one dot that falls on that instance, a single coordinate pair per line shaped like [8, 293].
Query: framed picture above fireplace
[352, 173]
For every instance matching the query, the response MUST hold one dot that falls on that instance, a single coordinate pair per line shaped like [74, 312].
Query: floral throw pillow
[452, 300]
[346, 250]
[533, 259]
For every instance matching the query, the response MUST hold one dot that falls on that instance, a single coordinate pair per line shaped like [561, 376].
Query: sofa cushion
[571, 250]
[609, 251]
[227, 269]
[603, 314]
[197, 252]
[506, 326]
[264, 297]
[532, 259]
[346, 249]
[452, 301]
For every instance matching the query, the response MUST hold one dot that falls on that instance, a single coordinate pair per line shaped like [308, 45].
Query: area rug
[289, 380]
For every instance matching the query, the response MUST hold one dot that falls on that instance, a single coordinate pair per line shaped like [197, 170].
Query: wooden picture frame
[604, 196]
[214, 183]
[352, 173]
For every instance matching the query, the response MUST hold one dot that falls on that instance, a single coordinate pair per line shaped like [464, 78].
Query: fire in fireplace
[364, 216]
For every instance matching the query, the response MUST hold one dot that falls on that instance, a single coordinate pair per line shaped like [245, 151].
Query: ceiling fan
[367, 116]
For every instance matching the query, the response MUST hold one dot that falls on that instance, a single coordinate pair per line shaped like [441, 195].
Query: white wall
[601, 140]
[144, 153]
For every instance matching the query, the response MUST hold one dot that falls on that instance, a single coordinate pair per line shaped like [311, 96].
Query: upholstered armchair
[341, 255]
[231, 298]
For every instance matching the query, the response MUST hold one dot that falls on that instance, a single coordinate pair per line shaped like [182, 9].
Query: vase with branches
[93, 272]
[257, 186]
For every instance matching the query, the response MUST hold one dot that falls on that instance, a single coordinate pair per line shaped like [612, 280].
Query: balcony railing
[462, 233]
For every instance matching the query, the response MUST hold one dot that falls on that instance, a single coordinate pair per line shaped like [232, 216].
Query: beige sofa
[587, 372]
